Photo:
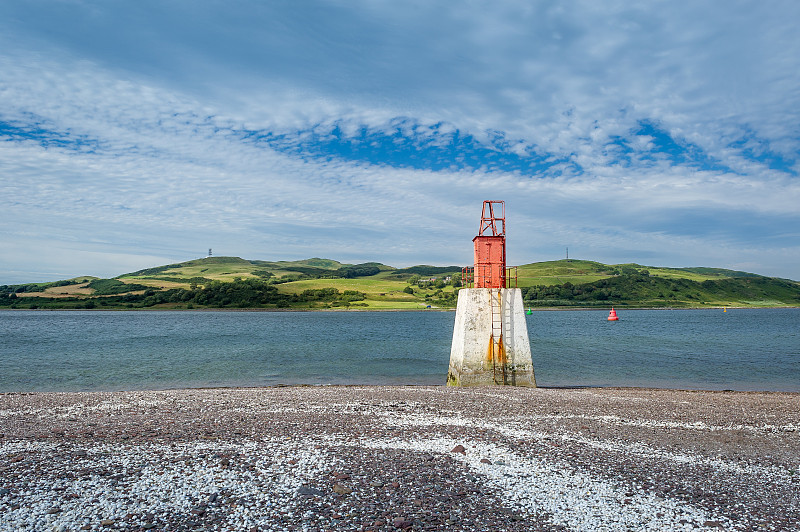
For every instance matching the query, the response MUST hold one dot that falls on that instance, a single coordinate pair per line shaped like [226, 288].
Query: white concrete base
[473, 360]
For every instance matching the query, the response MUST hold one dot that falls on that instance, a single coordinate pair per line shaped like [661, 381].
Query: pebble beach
[400, 458]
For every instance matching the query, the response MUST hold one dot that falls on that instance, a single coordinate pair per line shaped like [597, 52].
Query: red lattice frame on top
[493, 217]
[490, 247]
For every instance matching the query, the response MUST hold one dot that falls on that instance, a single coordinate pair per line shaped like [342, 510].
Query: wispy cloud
[147, 132]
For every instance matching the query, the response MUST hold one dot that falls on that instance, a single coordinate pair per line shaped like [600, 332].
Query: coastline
[390, 309]
[400, 457]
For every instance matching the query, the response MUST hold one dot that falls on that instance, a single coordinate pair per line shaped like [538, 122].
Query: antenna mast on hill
[567, 253]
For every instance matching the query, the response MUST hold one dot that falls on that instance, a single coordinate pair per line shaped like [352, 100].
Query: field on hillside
[560, 272]
[74, 290]
[368, 285]
[156, 283]
[582, 271]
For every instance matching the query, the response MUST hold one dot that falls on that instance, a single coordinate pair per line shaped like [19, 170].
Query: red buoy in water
[612, 316]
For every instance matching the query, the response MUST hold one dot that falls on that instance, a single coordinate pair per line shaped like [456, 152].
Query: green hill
[562, 271]
[645, 286]
[233, 282]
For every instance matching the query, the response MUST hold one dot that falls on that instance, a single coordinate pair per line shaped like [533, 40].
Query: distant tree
[350, 272]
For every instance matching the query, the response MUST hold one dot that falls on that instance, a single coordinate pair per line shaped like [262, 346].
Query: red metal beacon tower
[490, 247]
[490, 336]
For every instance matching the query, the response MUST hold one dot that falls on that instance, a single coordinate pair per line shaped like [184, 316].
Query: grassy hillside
[562, 271]
[233, 282]
[640, 286]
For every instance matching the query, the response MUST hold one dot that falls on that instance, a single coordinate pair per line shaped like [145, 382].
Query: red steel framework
[490, 269]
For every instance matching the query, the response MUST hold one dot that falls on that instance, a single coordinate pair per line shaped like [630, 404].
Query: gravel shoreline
[400, 457]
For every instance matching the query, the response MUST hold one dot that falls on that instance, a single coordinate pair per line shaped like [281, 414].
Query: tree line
[240, 293]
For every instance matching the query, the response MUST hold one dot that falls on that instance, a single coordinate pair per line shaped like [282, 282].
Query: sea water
[117, 350]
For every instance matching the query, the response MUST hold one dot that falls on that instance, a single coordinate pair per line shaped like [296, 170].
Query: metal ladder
[497, 347]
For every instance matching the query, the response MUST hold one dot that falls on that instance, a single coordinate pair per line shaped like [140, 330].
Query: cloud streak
[149, 132]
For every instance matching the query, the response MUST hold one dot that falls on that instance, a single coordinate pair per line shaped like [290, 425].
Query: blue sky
[135, 134]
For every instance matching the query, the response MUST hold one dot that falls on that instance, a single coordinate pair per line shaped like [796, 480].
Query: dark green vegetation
[108, 287]
[232, 282]
[426, 271]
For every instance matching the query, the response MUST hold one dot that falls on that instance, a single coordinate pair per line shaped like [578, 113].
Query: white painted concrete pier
[477, 356]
